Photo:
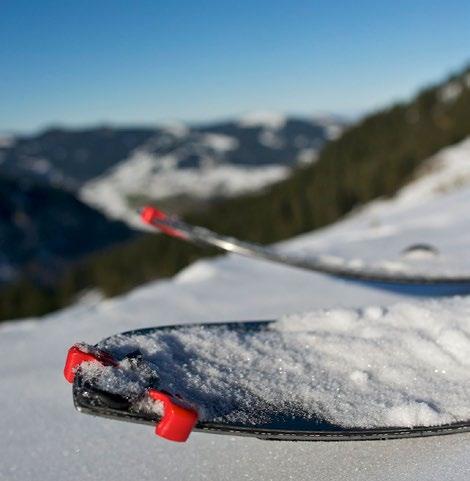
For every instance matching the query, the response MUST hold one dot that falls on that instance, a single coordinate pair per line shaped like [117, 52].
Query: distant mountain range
[114, 169]
[53, 184]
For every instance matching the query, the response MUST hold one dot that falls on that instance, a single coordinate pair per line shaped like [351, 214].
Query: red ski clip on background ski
[79, 353]
[160, 220]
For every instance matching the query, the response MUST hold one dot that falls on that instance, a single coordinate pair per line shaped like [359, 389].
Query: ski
[416, 284]
[219, 378]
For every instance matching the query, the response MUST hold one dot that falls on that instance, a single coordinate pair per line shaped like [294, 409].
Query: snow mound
[406, 365]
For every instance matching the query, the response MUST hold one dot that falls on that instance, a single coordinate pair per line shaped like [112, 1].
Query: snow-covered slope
[44, 438]
[432, 211]
[220, 160]
[139, 176]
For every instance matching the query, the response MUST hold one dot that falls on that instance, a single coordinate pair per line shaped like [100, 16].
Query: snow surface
[44, 438]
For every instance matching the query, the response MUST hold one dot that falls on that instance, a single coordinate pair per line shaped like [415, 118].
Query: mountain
[349, 320]
[114, 169]
[371, 159]
[68, 158]
[43, 229]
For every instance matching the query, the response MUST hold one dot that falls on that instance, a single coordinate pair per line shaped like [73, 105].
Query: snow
[270, 138]
[334, 127]
[307, 156]
[433, 209]
[444, 172]
[261, 118]
[195, 163]
[44, 438]
[270, 123]
[219, 142]
[333, 131]
[124, 378]
[176, 129]
[138, 174]
[154, 172]
[406, 365]
[451, 91]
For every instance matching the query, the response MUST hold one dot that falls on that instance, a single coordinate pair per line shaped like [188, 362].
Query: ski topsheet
[257, 379]
[437, 284]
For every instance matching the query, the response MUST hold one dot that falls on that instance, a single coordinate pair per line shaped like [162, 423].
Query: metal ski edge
[279, 435]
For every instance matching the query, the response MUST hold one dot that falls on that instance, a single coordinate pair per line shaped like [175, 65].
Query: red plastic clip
[78, 354]
[177, 422]
[152, 215]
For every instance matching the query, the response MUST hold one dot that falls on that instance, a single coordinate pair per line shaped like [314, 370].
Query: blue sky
[142, 62]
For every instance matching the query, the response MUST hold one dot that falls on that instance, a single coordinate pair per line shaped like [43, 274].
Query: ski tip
[150, 214]
[177, 421]
[160, 220]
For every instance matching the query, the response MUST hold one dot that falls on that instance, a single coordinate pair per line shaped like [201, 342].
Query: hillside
[43, 230]
[66, 157]
[432, 333]
[373, 158]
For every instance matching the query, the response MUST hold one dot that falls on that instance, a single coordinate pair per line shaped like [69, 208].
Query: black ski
[115, 379]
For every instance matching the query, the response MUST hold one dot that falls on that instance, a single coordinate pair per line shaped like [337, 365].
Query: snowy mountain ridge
[161, 178]
[215, 162]
[116, 165]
